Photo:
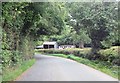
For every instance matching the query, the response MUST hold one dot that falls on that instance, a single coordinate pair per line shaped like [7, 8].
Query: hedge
[110, 58]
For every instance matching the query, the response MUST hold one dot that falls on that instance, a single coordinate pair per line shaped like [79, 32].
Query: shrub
[76, 53]
[108, 55]
[10, 58]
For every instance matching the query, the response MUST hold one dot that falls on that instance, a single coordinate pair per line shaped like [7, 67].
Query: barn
[50, 45]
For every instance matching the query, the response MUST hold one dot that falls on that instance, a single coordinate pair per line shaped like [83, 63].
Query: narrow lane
[50, 68]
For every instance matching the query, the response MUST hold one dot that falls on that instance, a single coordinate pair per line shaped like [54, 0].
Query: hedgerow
[109, 58]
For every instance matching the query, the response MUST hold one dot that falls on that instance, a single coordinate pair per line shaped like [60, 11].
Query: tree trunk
[95, 49]
[81, 44]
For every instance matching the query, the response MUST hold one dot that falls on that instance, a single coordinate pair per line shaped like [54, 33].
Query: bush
[108, 55]
[10, 58]
[76, 53]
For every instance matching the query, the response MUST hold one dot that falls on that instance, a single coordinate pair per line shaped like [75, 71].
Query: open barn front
[50, 45]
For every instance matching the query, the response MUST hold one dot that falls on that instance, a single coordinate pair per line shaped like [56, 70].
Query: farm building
[50, 45]
[66, 46]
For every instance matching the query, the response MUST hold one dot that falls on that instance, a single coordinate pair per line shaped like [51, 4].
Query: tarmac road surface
[50, 68]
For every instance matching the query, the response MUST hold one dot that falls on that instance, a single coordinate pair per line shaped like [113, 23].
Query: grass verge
[12, 74]
[99, 65]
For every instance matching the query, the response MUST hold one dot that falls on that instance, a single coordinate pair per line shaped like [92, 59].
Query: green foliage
[80, 37]
[109, 56]
[11, 74]
[112, 54]
[23, 24]
[106, 44]
[98, 19]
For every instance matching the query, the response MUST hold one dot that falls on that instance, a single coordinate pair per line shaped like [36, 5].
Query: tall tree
[99, 19]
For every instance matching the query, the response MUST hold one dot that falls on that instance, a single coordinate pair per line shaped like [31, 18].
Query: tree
[101, 24]
[23, 24]
[75, 17]
[81, 38]
[98, 19]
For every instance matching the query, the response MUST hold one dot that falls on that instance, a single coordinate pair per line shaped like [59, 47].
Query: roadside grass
[0, 73]
[12, 74]
[0, 78]
[99, 65]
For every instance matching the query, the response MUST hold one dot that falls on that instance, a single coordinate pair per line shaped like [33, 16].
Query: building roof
[40, 46]
[50, 43]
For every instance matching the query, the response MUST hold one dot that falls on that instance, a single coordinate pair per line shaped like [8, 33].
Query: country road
[50, 68]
